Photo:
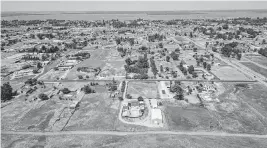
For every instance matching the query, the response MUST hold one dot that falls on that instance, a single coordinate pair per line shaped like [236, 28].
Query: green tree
[80, 76]
[194, 75]
[39, 65]
[191, 69]
[160, 45]
[31, 81]
[239, 55]
[35, 71]
[191, 35]
[204, 65]
[87, 89]
[140, 98]
[65, 90]
[208, 67]
[161, 68]
[6, 92]
[168, 58]
[43, 96]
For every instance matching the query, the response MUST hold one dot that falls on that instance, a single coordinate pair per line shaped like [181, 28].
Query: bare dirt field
[144, 141]
[255, 68]
[145, 89]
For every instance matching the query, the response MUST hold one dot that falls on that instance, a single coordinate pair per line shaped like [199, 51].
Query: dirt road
[218, 134]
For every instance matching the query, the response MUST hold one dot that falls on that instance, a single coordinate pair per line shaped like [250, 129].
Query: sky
[129, 5]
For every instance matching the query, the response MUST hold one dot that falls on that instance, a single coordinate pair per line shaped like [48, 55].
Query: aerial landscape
[144, 78]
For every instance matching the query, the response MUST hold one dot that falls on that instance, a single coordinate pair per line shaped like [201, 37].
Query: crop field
[258, 59]
[144, 89]
[255, 68]
[148, 141]
[228, 73]
[189, 119]
[95, 112]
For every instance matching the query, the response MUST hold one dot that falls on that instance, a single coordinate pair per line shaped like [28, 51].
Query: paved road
[246, 81]
[217, 134]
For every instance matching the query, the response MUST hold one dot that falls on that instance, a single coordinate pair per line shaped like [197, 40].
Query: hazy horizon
[130, 6]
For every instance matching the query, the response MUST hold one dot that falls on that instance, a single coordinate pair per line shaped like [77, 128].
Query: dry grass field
[144, 141]
[228, 73]
[95, 112]
[255, 68]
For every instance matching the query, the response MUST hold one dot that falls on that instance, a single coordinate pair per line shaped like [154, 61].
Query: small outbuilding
[156, 116]
[154, 103]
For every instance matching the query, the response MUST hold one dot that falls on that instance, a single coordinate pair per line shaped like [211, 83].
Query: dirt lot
[96, 112]
[144, 141]
[146, 89]
[255, 68]
[228, 73]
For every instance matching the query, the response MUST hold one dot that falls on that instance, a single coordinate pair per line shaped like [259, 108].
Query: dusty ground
[144, 141]
[146, 89]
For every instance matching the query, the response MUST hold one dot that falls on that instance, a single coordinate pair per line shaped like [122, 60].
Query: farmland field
[255, 68]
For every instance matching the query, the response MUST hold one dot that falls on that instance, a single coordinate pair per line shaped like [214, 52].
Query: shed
[156, 116]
